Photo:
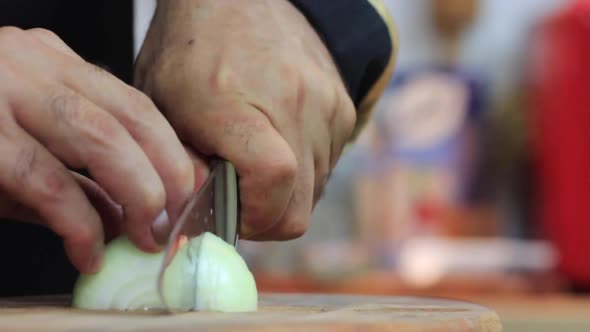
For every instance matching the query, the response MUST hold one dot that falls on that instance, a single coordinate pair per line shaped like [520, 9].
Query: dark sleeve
[360, 37]
[99, 31]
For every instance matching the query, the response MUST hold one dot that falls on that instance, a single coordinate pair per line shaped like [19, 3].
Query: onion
[205, 274]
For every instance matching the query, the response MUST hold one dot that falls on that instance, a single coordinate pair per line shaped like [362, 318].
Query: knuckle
[142, 115]
[96, 70]
[324, 91]
[48, 185]
[298, 97]
[282, 168]
[71, 110]
[329, 110]
[328, 97]
[292, 86]
[10, 35]
[84, 234]
[53, 186]
[140, 102]
[65, 107]
[25, 163]
[44, 33]
[102, 128]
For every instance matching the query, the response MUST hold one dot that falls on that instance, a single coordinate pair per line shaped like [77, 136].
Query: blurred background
[471, 180]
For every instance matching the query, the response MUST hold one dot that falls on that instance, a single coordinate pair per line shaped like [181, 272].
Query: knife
[213, 208]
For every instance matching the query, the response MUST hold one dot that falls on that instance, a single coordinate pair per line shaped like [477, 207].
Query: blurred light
[423, 262]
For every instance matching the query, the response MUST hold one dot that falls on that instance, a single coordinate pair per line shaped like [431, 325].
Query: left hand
[251, 81]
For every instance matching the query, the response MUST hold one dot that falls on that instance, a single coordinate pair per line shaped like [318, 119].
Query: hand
[56, 110]
[251, 81]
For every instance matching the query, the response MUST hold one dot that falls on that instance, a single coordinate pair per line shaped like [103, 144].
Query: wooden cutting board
[277, 312]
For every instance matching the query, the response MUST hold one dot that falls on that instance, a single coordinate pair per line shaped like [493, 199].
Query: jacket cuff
[360, 36]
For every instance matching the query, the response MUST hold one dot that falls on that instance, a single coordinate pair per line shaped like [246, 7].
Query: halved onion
[206, 274]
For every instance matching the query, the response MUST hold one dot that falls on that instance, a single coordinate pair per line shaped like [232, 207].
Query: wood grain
[277, 312]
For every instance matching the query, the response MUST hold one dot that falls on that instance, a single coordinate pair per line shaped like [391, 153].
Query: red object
[560, 107]
[428, 212]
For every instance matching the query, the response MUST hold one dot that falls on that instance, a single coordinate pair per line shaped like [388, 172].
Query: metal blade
[214, 208]
[227, 203]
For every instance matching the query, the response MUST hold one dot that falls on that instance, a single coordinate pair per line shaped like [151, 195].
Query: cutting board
[277, 312]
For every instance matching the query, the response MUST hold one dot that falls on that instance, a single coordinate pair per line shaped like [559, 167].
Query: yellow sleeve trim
[368, 103]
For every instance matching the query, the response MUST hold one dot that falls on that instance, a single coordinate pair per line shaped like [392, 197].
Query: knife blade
[214, 208]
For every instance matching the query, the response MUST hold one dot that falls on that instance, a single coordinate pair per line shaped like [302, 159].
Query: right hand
[57, 110]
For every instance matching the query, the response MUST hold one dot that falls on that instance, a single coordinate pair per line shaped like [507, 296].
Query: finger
[129, 107]
[148, 127]
[164, 223]
[32, 176]
[85, 136]
[311, 179]
[306, 126]
[312, 148]
[52, 40]
[140, 116]
[145, 124]
[111, 213]
[201, 167]
[297, 217]
[264, 161]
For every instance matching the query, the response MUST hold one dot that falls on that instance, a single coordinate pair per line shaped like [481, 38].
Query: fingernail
[95, 262]
[161, 228]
